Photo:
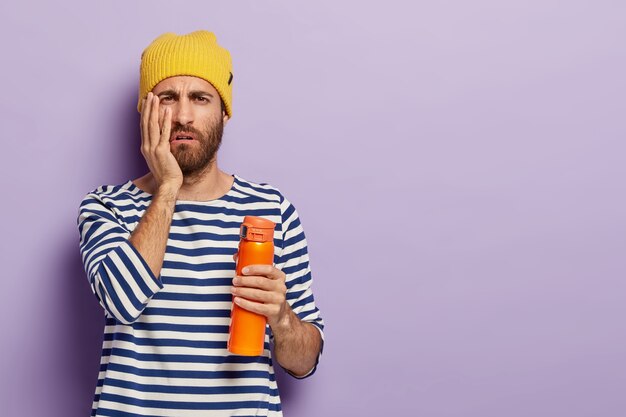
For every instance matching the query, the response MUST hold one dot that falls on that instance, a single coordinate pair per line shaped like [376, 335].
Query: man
[160, 251]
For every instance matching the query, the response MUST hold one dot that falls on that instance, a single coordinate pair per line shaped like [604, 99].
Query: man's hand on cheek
[262, 290]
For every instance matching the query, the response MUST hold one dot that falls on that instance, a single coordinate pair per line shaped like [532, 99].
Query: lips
[181, 137]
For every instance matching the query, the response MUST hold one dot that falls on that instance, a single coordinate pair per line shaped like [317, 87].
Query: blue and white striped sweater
[164, 351]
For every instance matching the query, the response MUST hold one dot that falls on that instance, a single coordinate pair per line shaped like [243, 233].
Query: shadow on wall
[82, 340]
[77, 345]
[128, 162]
[79, 359]
[288, 388]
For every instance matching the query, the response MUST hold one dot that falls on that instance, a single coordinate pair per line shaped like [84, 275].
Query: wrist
[167, 193]
[286, 321]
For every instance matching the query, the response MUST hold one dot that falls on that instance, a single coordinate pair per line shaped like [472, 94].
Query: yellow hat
[196, 53]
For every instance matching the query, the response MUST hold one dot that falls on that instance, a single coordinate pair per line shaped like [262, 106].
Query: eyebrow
[193, 93]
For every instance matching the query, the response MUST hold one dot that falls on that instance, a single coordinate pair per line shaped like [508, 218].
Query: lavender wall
[458, 167]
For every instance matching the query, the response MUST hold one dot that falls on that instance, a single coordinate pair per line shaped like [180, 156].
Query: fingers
[260, 296]
[150, 131]
[269, 271]
[167, 125]
[263, 283]
[161, 120]
[145, 113]
[259, 288]
[267, 310]
[155, 146]
[153, 126]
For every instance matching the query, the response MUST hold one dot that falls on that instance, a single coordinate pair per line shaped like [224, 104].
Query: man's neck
[210, 184]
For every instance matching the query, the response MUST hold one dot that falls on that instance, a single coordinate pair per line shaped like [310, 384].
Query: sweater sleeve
[294, 262]
[118, 275]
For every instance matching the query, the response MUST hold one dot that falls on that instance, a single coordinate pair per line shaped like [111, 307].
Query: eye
[203, 99]
[166, 98]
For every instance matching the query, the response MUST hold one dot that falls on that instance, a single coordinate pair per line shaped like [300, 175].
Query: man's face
[197, 120]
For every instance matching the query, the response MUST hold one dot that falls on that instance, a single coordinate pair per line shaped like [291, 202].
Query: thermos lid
[257, 229]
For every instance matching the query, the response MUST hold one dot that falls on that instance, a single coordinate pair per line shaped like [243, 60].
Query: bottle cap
[257, 229]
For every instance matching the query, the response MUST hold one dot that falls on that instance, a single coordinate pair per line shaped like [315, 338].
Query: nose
[182, 112]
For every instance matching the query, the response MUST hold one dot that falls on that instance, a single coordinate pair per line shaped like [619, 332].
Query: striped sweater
[164, 349]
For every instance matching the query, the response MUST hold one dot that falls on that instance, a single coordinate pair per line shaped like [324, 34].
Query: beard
[194, 160]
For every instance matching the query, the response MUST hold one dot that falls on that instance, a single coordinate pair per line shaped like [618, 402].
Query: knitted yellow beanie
[196, 53]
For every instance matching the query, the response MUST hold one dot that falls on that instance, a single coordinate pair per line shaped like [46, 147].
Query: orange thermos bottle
[256, 246]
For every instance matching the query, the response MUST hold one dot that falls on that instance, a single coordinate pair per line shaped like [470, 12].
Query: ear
[225, 117]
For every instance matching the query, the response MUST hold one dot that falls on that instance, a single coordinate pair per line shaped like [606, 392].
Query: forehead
[184, 82]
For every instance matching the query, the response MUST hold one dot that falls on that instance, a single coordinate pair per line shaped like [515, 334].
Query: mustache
[182, 129]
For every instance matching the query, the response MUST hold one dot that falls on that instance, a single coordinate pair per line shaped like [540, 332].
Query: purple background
[458, 167]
